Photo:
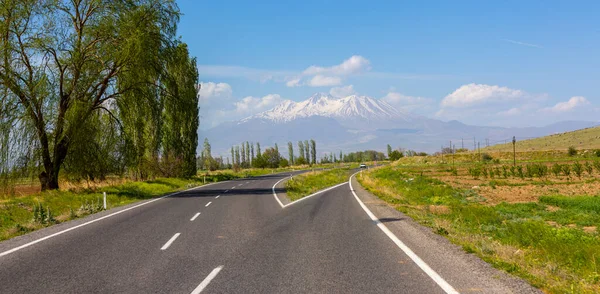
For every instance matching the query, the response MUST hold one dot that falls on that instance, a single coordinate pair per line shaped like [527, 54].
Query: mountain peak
[352, 107]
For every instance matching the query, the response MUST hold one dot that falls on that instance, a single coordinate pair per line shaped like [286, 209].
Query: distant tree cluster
[89, 88]
[362, 156]
[246, 155]
[394, 155]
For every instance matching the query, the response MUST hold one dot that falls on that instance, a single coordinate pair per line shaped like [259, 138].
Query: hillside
[588, 138]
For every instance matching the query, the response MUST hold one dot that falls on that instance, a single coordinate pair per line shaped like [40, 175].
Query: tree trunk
[49, 182]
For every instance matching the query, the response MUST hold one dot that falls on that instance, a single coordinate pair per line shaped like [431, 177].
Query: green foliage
[589, 168]
[395, 155]
[283, 163]
[578, 169]
[520, 172]
[596, 165]
[475, 171]
[523, 226]
[556, 169]
[572, 151]
[308, 183]
[486, 157]
[120, 100]
[35, 211]
[566, 169]
[597, 152]
[271, 158]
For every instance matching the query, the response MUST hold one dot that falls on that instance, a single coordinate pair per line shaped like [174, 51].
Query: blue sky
[507, 63]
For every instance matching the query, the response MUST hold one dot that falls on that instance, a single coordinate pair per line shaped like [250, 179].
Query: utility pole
[474, 145]
[514, 151]
[462, 143]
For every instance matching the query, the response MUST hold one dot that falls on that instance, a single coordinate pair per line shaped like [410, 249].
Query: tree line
[90, 88]
[250, 155]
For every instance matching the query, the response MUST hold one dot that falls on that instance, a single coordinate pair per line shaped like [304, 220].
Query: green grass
[311, 182]
[558, 257]
[16, 214]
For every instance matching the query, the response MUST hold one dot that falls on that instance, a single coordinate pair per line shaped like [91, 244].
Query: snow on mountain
[348, 108]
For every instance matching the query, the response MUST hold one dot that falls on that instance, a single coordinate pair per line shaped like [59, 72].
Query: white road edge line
[194, 217]
[96, 220]
[303, 198]
[170, 241]
[207, 280]
[233, 188]
[207, 204]
[415, 258]
[217, 196]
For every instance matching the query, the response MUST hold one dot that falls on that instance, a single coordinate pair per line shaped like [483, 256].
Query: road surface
[235, 237]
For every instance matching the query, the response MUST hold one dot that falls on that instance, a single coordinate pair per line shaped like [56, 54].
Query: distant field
[580, 139]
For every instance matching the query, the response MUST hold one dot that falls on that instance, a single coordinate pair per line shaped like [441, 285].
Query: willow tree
[62, 62]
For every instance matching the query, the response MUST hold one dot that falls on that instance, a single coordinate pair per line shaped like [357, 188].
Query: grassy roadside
[544, 242]
[311, 182]
[24, 214]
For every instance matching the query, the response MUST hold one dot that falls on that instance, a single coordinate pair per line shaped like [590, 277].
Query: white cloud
[210, 90]
[511, 112]
[567, 106]
[398, 99]
[352, 65]
[340, 92]
[251, 105]
[474, 94]
[323, 81]
[295, 82]
[522, 43]
[320, 76]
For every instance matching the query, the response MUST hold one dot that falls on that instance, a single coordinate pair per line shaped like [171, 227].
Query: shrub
[597, 166]
[566, 169]
[597, 152]
[556, 169]
[588, 168]
[520, 172]
[484, 171]
[454, 171]
[486, 157]
[513, 170]
[496, 161]
[529, 170]
[572, 151]
[578, 169]
[505, 171]
[475, 172]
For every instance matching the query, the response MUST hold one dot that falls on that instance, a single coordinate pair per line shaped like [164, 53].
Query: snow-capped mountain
[357, 123]
[351, 108]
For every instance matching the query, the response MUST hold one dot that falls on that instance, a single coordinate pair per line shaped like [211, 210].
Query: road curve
[229, 237]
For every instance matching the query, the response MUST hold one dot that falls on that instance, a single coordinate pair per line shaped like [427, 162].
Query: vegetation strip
[21, 215]
[308, 183]
[543, 242]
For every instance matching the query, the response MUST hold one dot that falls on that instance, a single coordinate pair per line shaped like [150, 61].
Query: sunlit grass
[16, 214]
[311, 182]
[543, 242]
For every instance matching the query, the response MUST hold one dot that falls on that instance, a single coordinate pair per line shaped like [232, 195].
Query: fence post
[104, 200]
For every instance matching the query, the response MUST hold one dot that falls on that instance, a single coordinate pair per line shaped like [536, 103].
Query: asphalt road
[230, 237]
